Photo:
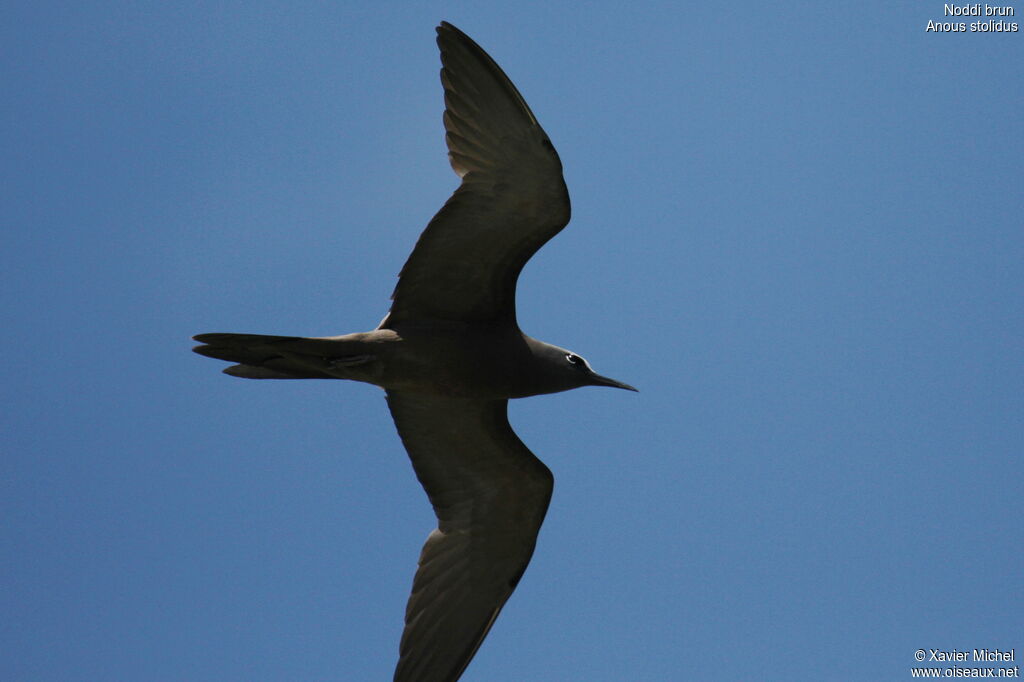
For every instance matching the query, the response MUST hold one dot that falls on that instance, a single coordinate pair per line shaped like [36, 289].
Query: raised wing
[511, 201]
[490, 495]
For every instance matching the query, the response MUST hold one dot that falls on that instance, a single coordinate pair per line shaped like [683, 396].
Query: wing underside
[511, 201]
[490, 494]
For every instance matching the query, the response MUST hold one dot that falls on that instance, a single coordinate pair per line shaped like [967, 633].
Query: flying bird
[450, 355]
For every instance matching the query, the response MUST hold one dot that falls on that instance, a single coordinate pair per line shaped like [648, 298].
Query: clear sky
[797, 229]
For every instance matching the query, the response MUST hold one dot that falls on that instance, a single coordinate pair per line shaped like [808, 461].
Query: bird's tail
[284, 357]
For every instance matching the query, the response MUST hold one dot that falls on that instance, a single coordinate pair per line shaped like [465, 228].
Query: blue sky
[796, 228]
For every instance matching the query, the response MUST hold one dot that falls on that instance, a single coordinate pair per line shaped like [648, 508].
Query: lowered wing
[490, 494]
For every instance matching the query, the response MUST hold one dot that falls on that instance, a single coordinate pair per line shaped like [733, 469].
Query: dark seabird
[450, 354]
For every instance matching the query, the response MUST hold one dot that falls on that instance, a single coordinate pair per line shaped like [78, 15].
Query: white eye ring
[574, 359]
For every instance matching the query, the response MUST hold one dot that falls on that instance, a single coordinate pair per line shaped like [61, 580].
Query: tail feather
[254, 372]
[260, 356]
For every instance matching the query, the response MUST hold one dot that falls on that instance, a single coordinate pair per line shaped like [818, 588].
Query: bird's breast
[458, 359]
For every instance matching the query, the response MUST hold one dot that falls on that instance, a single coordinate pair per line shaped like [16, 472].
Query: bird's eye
[574, 359]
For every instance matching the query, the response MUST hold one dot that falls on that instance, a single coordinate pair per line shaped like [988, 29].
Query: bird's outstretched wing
[490, 495]
[511, 201]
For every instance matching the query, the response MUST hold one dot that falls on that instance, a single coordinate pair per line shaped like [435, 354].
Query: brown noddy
[450, 354]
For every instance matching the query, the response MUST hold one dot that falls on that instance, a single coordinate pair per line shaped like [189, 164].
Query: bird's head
[566, 370]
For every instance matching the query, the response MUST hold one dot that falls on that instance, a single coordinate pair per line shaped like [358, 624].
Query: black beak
[598, 380]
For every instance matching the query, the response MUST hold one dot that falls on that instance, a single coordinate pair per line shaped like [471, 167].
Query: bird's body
[452, 359]
[450, 355]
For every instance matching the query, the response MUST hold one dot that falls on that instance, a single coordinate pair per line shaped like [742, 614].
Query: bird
[450, 355]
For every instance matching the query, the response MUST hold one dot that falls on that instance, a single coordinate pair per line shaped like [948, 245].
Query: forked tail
[283, 357]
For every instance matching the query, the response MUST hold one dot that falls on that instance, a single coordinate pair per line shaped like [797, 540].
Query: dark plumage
[450, 355]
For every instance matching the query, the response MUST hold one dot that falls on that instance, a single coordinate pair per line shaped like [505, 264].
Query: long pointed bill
[598, 380]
